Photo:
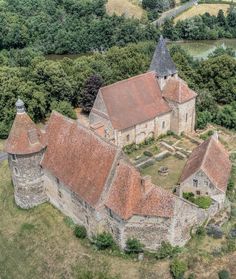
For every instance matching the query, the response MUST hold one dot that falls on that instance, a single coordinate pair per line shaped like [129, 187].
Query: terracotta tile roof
[212, 158]
[156, 202]
[162, 62]
[178, 91]
[78, 157]
[128, 196]
[134, 100]
[24, 137]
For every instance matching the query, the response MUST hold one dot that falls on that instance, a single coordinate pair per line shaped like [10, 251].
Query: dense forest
[203, 27]
[66, 26]
[45, 85]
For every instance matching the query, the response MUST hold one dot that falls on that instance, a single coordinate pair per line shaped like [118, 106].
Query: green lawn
[168, 182]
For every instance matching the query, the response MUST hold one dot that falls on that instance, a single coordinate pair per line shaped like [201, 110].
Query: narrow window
[127, 137]
[186, 117]
[195, 182]
[16, 171]
[87, 220]
[165, 77]
[14, 157]
[163, 124]
[206, 183]
[59, 194]
[57, 180]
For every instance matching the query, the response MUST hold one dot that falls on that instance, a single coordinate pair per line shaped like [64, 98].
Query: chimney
[146, 183]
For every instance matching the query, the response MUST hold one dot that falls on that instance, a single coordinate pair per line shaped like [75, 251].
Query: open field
[127, 7]
[200, 9]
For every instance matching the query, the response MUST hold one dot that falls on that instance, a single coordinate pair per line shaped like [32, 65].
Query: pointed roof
[24, 137]
[177, 90]
[212, 158]
[162, 62]
[133, 101]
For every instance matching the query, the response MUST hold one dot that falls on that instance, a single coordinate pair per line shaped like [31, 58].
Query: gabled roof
[212, 158]
[162, 62]
[78, 157]
[128, 196]
[133, 101]
[177, 90]
[24, 137]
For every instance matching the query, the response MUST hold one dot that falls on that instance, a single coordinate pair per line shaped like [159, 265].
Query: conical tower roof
[162, 62]
[24, 137]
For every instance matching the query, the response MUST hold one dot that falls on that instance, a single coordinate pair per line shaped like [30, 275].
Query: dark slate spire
[162, 62]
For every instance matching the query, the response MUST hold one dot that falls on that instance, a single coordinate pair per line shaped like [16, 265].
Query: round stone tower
[25, 147]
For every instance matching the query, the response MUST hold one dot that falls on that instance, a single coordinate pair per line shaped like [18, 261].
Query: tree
[92, 85]
[64, 108]
[221, 18]
[178, 268]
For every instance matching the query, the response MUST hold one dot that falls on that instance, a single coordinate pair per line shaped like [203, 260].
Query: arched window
[16, 171]
[163, 124]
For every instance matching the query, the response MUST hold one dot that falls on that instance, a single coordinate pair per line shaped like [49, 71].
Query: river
[197, 49]
[201, 49]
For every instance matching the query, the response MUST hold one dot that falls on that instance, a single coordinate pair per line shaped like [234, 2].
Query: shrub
[233, 212]
[223, 274]
[170, 133]
[133, 245]
[178, 268]
[201, 231]
[80, 232]
[214, 231]
[147, 153]
[167, 251]
[104, 241]
[189, 196]
[203, 202]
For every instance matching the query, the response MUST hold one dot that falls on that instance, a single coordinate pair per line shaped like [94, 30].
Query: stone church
[91, 180]
[147, 105]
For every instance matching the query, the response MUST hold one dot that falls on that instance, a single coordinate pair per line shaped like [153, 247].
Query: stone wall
[203, 187]
[183, 117]
[151, 231]
[27, 177]
[72, 205]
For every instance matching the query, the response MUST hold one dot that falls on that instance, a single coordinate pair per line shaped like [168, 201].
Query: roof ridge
[127, 79]
[206, 153]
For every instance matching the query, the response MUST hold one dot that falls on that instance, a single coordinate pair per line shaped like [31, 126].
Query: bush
[80, 232]
[133, 245]
[201, 231]
[214, 231]
[178, 268]
[103, 241]
[167, 251]
[147, 153]
[223, 274]
[203, 202]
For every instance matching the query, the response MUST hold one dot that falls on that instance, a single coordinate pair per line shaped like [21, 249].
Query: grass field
[201, 9]
[127, 7]
[1, 145]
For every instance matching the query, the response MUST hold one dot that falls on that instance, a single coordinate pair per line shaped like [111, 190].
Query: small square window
[206, 183]
[198, 193]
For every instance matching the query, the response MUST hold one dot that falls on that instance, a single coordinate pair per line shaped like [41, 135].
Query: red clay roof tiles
[24, 137]
[128, 196]
[178, 91]
[134, 100]
[213, 160]
[78, 157]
